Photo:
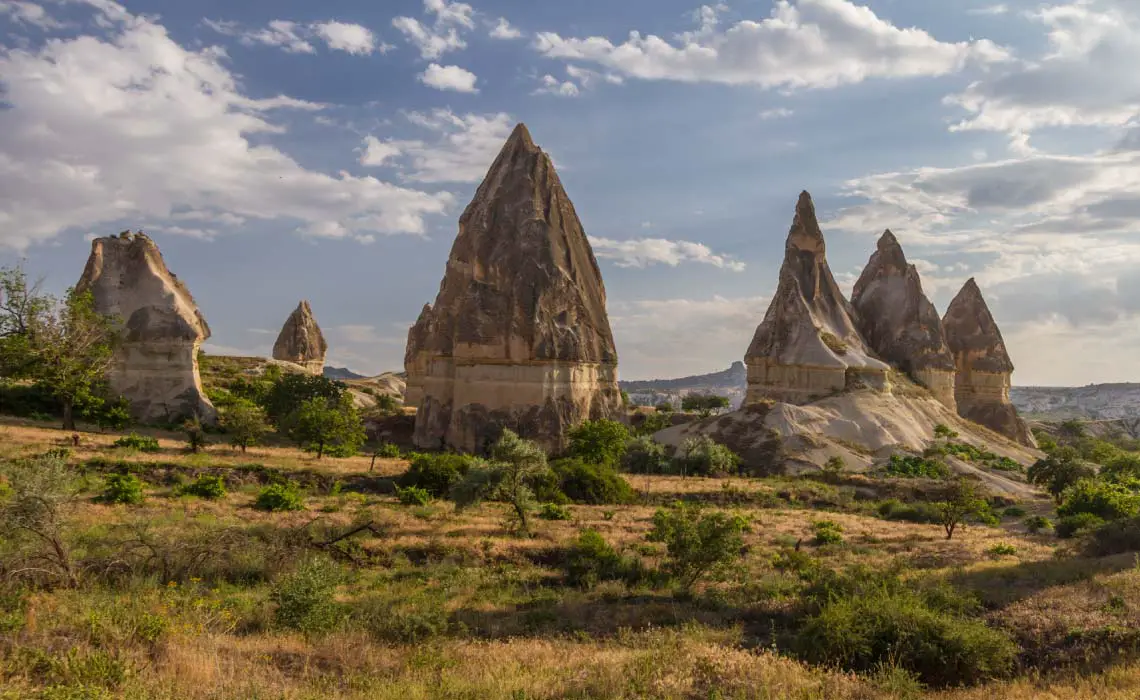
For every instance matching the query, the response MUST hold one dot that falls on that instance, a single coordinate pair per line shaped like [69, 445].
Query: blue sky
[287, 150]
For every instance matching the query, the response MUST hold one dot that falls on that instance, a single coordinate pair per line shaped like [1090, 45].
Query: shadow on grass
[1001, 586]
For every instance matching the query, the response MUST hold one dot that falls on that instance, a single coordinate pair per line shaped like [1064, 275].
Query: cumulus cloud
[504, 30]
[292, 37]
[376, 152]
[149, 129]
[351, 38]
[449, 78]
[459, 148]
[444, 34]
[644, 252]
[804, 44]
[28, 13]
[549, 85]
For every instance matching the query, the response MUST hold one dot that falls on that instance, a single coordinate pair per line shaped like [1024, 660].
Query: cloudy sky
[286, 149]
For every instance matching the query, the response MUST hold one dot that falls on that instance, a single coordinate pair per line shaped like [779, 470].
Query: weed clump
[277, 498]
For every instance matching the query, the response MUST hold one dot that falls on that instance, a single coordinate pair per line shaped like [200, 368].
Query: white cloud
[377, 152]
[462, 149]
[281, 34]
[1086, 77]
[444, 35]
[778, 113]
[351, 38]
[989, 10]
[504, 30]
[449, 78]
[549, 85]
[808, 44]
[644, 252]
[28, 13]
[149, 130]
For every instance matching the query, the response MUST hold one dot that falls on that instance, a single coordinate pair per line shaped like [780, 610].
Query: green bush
[387, 450]
[208, 487]
[894, 509]
[591, 560]
[827, 532]
[1002, 549]
[1037, 523]
[698, 544]
[305, 598]
[277, 498]
[1072, 525]
[436, 473]
[592, 484]
[910, 467]
[860, 632]
[554, 511]
[644, 456]
[1108, 500]
[703, 456]
[126, 489]
[142, 443]
[28, 401]
[1013, 512]
[1115, 538]
[599, 442]
[413, 496]
[944, 431]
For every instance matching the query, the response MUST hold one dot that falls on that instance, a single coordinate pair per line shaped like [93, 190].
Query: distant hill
[730, 383]
[342, 373]
[1092, 402]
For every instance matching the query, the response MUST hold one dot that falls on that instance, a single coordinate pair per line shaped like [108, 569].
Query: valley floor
[177, 595]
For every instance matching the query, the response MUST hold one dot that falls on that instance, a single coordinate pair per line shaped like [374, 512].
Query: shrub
[436, 473]
[210, 488]
[834, 466]
[599, 442]
[836, 345]
[142, 443]
[305, 598]
[553, 511]
[644, 456]
[860, 632]
[413, 496]
[110, 414]
[664, 407]
[591, 559]
[288, 391]
[126, 489]
[591, 484]
[1037, 523]
[911, 467]
[697, 544]
[327, 426]
[703, 456]
[1013, 512]
[1072, 525]
[277, 498]
[943, 431]
[516, 464]
[653, 423]
[1114, 538]
[965, 500]
[894, 509]
[387, 450]
[827, 532]
[1058, 471]
[1105, 499]
[195, 435]
[1002, 549]
[245, 422]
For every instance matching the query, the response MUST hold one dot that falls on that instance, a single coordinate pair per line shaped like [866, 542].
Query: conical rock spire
[518, 335]
[301, 341]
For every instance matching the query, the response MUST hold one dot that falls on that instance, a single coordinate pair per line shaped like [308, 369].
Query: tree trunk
[320, 449]
[243, 446]
[68, 414]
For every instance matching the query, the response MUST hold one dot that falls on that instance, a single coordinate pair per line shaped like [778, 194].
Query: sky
[279, 150]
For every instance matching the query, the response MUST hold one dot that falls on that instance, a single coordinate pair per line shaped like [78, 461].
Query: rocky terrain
[731, 383]
[156, 364]
[1094, 402]
[341, 373]
[301, 341]
[518, 335]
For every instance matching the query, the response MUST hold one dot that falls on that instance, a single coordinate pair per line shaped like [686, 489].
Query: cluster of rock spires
[156, 363]
[301, 341]
[518, 336]
[813, 343]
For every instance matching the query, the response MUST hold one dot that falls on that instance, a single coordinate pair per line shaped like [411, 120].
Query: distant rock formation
[341, 373]
[900, 324]
[518, 336]
[983, 366]
[301, 341]
[156, 365]
[730, 383]
[808, 345]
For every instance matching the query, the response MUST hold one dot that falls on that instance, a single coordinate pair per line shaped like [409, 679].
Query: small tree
[599, 442]
[654, 423]
[195, 435]
[644, 456]
[321, 423]
[1058, 471]
[703, 456]
[515, 464]
[697, 544]
[34, 517]
[665, 407]
[245, 423]
[704, 404]
[964, 500]
[289, 391]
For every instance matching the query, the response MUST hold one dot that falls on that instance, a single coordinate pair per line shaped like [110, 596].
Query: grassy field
[182, 597]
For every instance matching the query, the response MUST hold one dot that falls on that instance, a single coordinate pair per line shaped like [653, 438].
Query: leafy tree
[704, 404]
[644, 456]
[654, 423]
[515, 464]
[387, 405]
[1107, 500]
[1072, 430]
[964, 500]
[1059, 471]
[1124, 468]
[245, 423]
[292, 390]
[320, 423]
[195, 435]
[697, 544]
[599, 441]
[703, 456]
[22, 305]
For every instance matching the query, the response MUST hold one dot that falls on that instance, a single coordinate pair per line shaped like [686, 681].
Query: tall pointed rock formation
[900, 324]
[808, 345]
[156, 364]
[301, 341]
[983, 366]
[518, 336]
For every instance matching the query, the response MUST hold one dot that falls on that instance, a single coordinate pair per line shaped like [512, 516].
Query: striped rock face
[518, 336]
[156, 364]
